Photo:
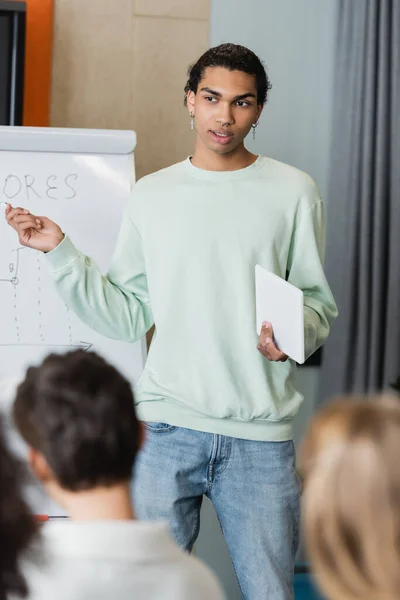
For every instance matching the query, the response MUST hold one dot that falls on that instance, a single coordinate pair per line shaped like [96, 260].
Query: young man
[218, 403]
[77, 414]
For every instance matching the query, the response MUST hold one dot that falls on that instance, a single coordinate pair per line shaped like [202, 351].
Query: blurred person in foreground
[76, 412]
[17, 525]
[351, 498]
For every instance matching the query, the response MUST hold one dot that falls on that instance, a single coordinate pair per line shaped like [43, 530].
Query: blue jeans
[253, 487]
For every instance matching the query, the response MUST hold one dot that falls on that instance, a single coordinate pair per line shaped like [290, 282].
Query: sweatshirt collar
[238, 174]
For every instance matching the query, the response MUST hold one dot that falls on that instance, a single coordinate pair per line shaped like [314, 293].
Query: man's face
[225, 106]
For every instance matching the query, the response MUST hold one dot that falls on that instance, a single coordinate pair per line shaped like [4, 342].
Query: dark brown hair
[234, 58]
[79, 412]
[17, 525]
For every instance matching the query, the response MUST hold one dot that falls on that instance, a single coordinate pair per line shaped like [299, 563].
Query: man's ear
[260, 108]
[191, 102]
[39, 466]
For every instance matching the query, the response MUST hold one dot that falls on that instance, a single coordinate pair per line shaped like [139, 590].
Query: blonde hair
[350, 464]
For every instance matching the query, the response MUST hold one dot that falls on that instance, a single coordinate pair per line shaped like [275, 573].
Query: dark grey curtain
[363, 207]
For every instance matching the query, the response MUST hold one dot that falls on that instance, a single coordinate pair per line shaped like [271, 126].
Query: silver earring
[191, 121]
[254, 126]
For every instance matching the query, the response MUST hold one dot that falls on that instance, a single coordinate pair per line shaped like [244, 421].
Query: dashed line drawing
[13, 268]
[14, 279]
[39, 301]
[16, 314]
[69, 324]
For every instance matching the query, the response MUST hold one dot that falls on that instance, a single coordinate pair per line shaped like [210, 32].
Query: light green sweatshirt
[184, 260]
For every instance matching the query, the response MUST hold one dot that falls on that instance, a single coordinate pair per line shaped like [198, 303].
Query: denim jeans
[253, 487]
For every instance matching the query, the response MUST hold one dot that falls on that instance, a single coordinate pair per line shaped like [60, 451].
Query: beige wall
[121, 64]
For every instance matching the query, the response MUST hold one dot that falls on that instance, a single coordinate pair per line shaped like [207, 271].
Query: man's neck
[99, 504]
[203, 158]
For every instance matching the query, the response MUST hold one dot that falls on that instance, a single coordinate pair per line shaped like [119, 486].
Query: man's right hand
[34, 232]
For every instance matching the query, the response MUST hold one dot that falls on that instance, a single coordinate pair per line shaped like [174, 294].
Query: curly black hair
[234, 58]
[17, 525]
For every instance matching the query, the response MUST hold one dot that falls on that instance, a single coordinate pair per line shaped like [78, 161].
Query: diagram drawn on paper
[13, 269]
[26, 298]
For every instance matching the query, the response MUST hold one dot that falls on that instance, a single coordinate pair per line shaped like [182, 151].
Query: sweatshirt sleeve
[116, 305]
[306, 272]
